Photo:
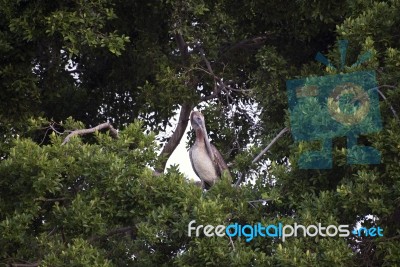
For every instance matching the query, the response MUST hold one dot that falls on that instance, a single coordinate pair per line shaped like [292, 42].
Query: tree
[95, 200]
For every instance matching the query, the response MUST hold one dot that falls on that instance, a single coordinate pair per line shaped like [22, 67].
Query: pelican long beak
[207, 141]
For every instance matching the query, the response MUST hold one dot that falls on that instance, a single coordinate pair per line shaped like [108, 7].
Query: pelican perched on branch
[206, 160]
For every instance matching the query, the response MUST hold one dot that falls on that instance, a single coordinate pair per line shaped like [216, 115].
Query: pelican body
[206, 160]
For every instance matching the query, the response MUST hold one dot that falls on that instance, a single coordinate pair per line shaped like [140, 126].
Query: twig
[260, 200]
[208, 64]
[183, 47]
[51, 126]
[52, 231]
[51, 199]
[282, 132]
[217, 90]
[106, 125]
[44, 136]
[221, 86]
[255, 42]
[220, 83]
[383, 96]
[387, 102]
[387, 86]
[231, 242]
[113, 133]
[252, 204]
[240, 180]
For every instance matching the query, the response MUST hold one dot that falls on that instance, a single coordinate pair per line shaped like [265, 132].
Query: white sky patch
[181, 157]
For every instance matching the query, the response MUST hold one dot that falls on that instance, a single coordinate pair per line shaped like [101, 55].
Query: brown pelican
[206, 160]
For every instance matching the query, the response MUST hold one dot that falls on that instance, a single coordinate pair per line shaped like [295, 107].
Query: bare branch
[52, 231]
[232, 244]
[176, 137]
[260, 200]
[282, 132]
[240, 180]
[217, 89]
[388, 86]
[252, 43]
[106, 125]
[113, 133]
[221, 85]
[183, 48]
[51, 126]
[208, 64]
[51, 199]
[44, 136]
[387, 102]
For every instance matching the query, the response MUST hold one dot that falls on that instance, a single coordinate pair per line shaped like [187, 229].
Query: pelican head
[197, 121]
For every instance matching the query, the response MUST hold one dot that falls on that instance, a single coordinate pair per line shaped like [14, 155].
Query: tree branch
[217, 89]
[106, 125]
[186, 108]
[183, 48]
[252, 43]
[51, 199]
[176, 137]
[280, 134]
[208, 64]
[258, 201]
[385, 99]
[221, 85]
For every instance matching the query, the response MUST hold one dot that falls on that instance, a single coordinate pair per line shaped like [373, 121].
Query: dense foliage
[95, 200]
